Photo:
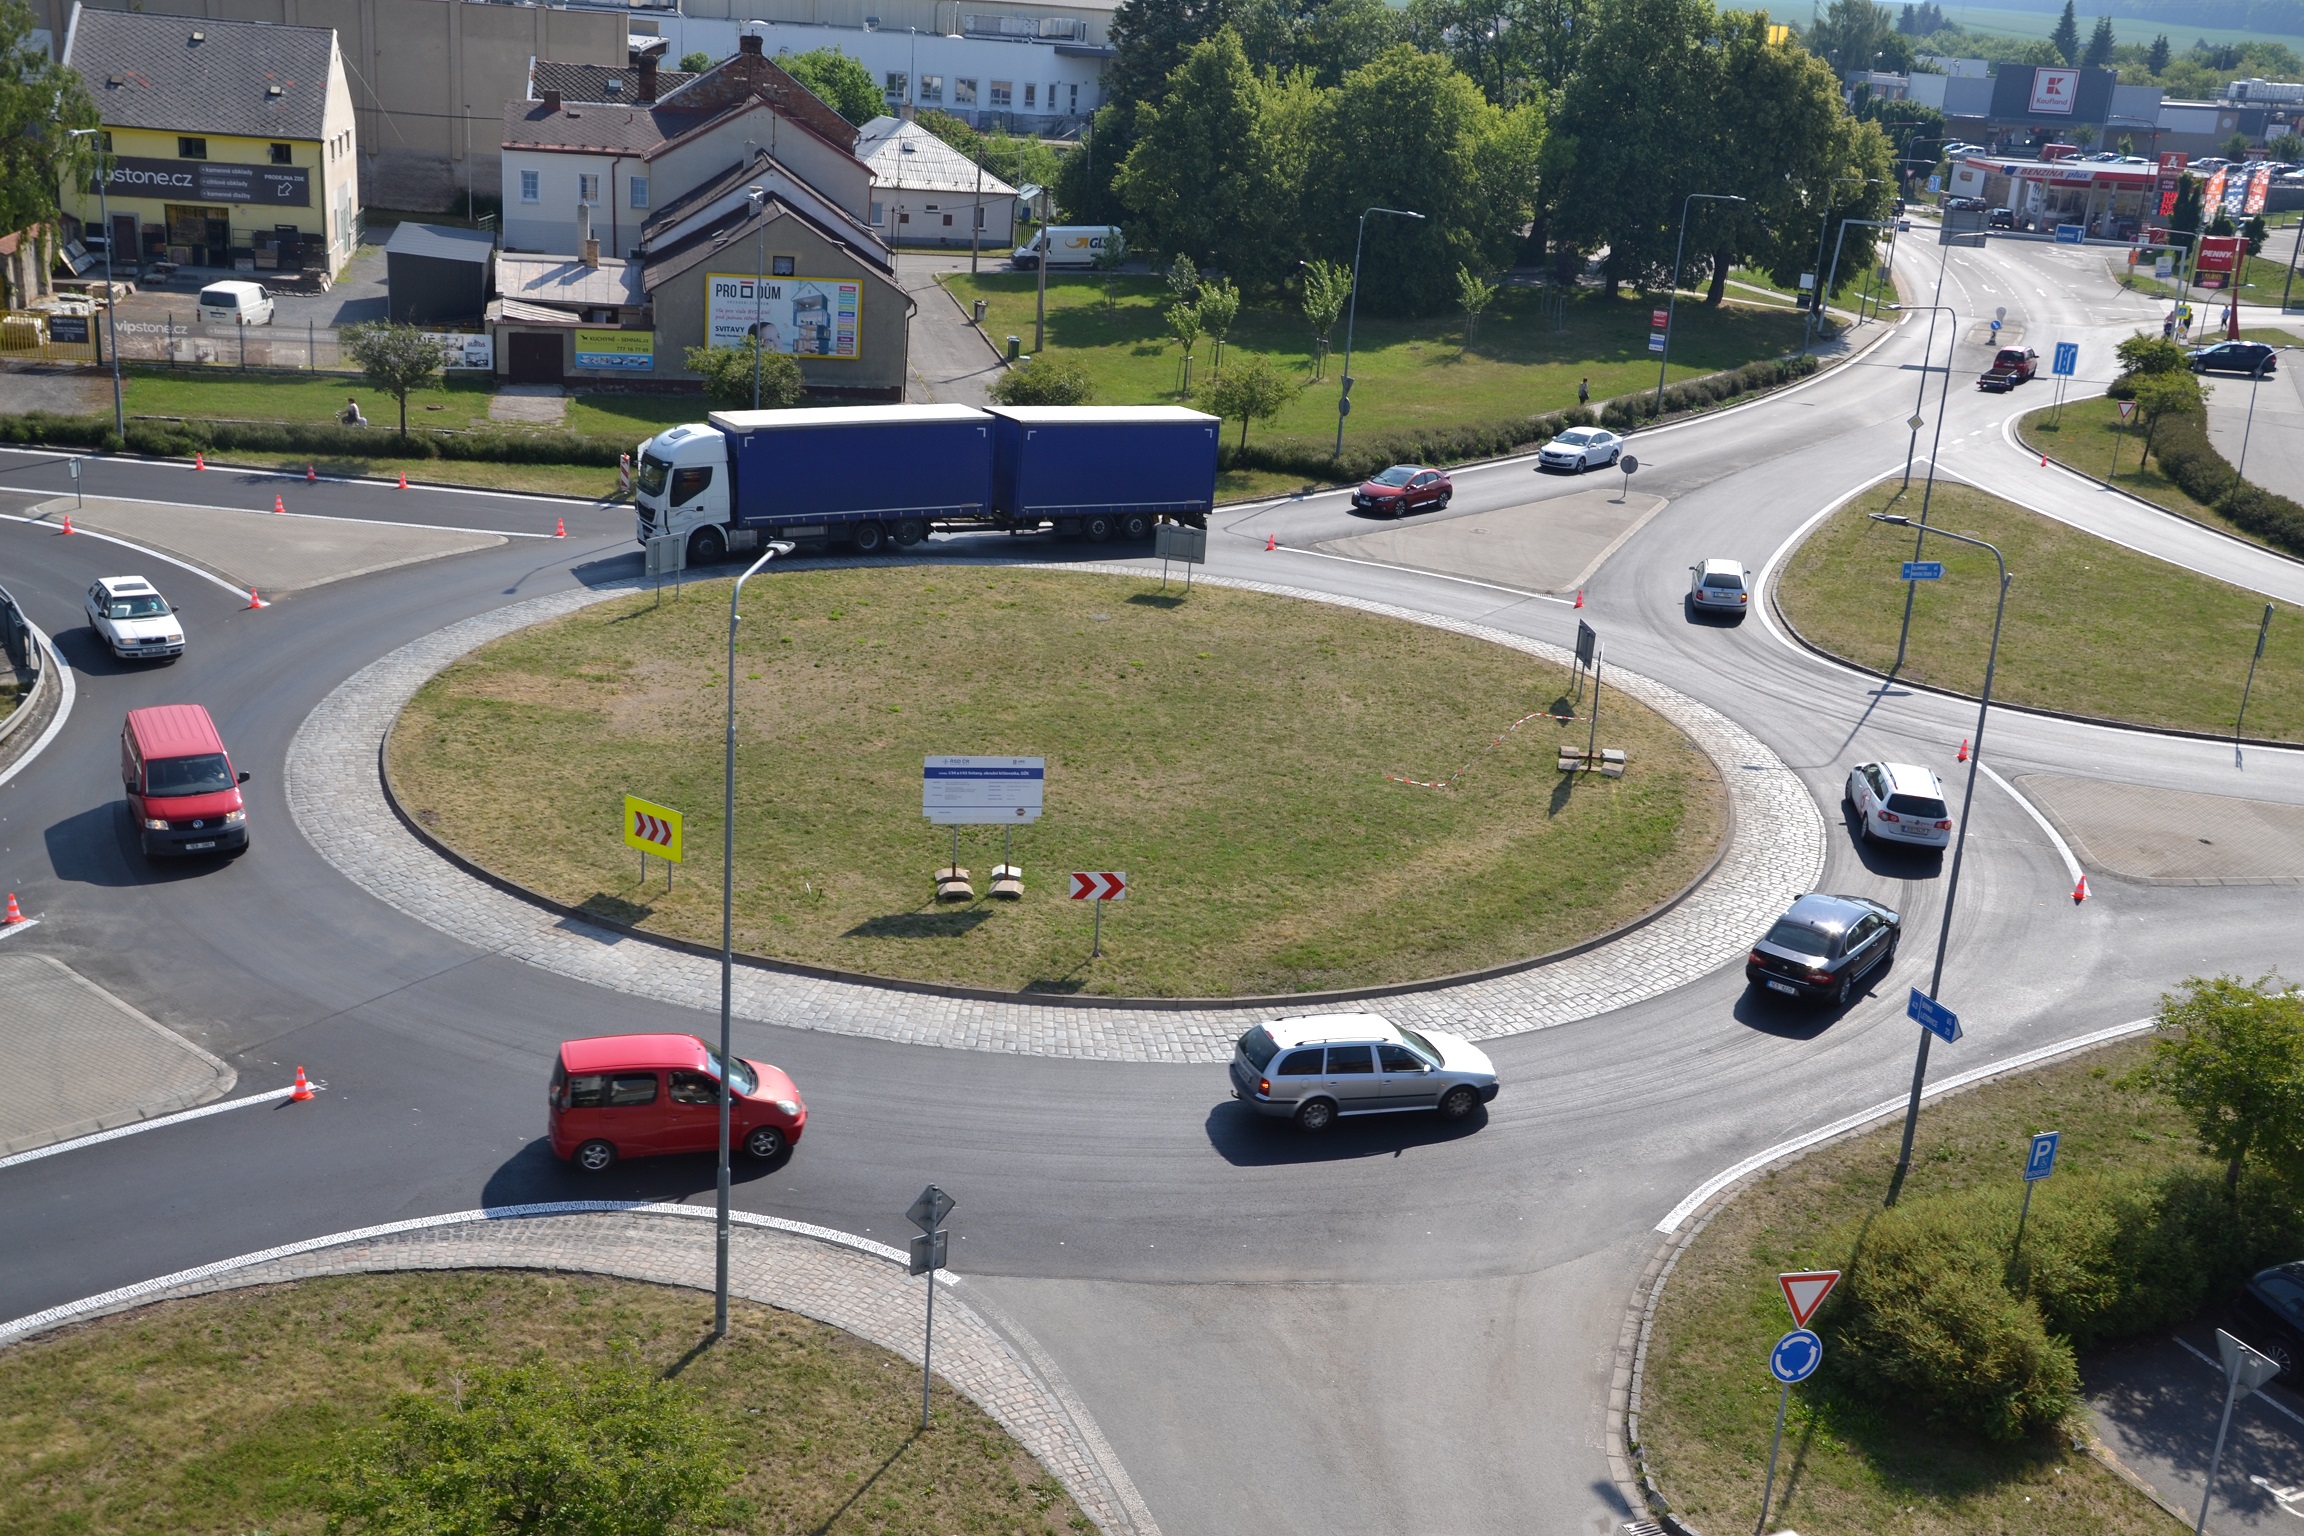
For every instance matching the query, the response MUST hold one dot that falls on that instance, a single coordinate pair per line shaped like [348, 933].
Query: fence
[179, 340]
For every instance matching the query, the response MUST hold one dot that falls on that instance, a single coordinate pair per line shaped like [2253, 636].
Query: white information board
[963, 791]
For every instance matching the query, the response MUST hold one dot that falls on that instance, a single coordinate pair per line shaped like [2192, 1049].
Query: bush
[1044, 381]
[2188, 458]
[318, 440]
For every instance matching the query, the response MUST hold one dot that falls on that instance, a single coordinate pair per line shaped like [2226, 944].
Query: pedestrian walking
[1583, 391]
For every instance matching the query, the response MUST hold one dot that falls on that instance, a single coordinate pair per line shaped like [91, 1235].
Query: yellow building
[231, 141]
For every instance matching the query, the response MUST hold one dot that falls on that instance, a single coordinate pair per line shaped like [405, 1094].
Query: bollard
[1015, 348]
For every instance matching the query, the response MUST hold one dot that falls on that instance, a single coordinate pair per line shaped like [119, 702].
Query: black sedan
[2269, 1316]
[1823, 946]
[2234, 357]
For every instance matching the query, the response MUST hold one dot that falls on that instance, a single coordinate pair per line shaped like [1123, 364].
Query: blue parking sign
[2067, 359]
[2042, 1161]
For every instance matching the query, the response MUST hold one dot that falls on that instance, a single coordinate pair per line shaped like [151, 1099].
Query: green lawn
[1850, 1465]
[1230, 751]
[2088, 436]
[1407, 373]
[226, 395]
[219, 1416]
[2092, 627]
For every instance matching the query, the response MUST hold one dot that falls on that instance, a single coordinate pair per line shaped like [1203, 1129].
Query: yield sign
[2127, 409]
[1104, 885]
[1805, 1292]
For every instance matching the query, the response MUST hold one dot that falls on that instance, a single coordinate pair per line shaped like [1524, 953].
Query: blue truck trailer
[869, 477]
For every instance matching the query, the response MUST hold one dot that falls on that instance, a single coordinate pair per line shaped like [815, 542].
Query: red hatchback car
[646, 1095]
[1402, 489]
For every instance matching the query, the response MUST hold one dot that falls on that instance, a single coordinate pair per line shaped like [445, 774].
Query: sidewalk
[2275, 442]
[951, 363]
[84, 1061]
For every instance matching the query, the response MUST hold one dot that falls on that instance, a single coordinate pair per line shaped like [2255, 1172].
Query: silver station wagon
[1315, 1068]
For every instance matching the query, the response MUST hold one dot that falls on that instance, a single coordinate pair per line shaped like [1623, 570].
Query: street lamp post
[1344, 394]
[1928, 490]
[756, 202]
[1839, 239]
[2255, 384]
[1959, 846]
[1928, 350]
[1672, 304]
[1823, 228]
[111, 312]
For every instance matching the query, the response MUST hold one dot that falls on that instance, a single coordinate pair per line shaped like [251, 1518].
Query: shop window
[1003, 93]
[280, 154]
[191, 149]
[963, 93]
[931, 88]
[529, 190]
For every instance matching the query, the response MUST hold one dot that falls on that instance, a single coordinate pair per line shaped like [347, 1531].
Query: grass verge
[220, 1414]
[1850, 1465]
[2087, 435]
[2092, 627]
[1228, 750]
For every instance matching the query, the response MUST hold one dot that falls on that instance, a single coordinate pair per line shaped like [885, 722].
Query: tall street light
[756, 204]
[1928, 350]
[2255, 384]
[111, 314]
[1344, 395]
[1959, 846]
[1841, 238]
[1672, 304]
[1928, 490]
[1823, 228]
[728, 935]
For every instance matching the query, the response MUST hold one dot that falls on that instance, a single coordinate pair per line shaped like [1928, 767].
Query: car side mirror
[243, 777]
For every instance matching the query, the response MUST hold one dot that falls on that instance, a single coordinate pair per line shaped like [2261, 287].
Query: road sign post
[653, 829]
[666, 554]
[2244, 1371]
[2262, 629]
[2038, 1164]
[1099, 887]
[1631, 467]
[1794, 1359]
[928, 1251]
[1174, 541]
[1933, 1016]
[2119, 436]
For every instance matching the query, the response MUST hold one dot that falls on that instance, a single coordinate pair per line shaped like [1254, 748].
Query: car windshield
[653, 473]
[149, 607]
[1799, 938]
[1926, 807]
[2285, 1290]
[1421, 1046]
[1724, 581]
[1259, 1047]
[170, 777]
[744, 1079]
[1398, 474]
[1575, 437]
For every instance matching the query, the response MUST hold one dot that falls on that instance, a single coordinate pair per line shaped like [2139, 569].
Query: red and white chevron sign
[652, 829]
[1107, 885]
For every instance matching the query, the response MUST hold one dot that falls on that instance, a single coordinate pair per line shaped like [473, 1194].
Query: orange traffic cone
[559, 527]
[302, 1090]
[2043, 461]
[403, 479]
[1271, 543]
[67, 522]
[1579, 597]
[199, 459]
[2080, 891]
[311, 475]
[1961, 756]
[279, 507]
[15, 915]
[254, 601]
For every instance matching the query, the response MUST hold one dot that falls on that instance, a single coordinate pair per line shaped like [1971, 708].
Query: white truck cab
[683, 488]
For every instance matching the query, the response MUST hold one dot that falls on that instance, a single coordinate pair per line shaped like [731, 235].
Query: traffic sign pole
[1768, 1488]
[1794, 1359]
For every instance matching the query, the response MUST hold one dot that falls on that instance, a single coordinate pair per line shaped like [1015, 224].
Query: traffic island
[1258, 765]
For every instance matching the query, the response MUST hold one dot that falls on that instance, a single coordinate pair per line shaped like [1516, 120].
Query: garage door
[536, 358]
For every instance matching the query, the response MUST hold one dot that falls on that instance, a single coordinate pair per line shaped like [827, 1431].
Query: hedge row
[319, 440]
[2187, 457]
[1628, 411]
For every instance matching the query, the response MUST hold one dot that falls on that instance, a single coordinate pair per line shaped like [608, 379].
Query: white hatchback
[133, 620]
[1720, 584]
[1899, 802]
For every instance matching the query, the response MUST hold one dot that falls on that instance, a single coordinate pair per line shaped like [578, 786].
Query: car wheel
[765, 1143]
[2279, 1355]
[1613, 455]
[1135, 527]
[1843, 992]
[1315, 1115]
[869, 538]
[706, 546]
[1442, 504]
[910, 532]
[1458, 1102]
[1098, 529]
[594, 1157]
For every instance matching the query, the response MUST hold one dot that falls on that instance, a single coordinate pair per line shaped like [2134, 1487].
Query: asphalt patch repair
[258, 549]
[2173, 836]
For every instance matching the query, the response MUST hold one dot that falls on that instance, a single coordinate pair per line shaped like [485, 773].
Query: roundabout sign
[1796, 1356]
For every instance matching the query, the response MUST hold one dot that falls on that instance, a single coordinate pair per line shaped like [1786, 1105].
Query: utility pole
[1344, 394]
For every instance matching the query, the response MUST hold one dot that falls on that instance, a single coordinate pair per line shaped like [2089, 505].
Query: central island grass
[1229, 751]
[220, 1415]
[2093, 628]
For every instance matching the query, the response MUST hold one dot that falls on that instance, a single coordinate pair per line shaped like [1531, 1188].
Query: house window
[893, 86]
[931, 88]
[1075, 98]
[639, 191]
[588, 190]
[902, 217]
[947, 221]
[280, 154]
[1031, 96]
[529, 191]
[1003, 93]
[878, 213]
[963, 93]
[191, 149]
[782, 266]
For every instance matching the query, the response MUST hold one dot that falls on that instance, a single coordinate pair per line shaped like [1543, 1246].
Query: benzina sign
[2055, 90]
[213, 181]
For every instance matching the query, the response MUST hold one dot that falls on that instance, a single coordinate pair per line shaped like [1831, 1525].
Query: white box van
[1068, 245]
[246, 303]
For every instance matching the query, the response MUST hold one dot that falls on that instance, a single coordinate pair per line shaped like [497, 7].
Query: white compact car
[1581, 448]
[1900, 803]
[1721, 585]
[1314, 1069]
[131, 617]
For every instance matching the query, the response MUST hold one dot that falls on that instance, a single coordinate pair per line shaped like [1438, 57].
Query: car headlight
[234, 818]
[787, 1107]
[155, 824]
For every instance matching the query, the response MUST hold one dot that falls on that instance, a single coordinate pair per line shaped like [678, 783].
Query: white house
[925, 192]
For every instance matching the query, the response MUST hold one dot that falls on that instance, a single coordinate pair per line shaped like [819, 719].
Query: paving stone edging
[335, 793]
[851, 1283]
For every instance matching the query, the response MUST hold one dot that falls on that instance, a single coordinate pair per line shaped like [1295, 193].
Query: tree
[40, 101]
[2235, 147]
[2143, 354]
[1506, 47]
[1327, 287]
[1326, 39]
[2288, 146]
[1184, 325]
[2256, 232]
[542, 1449]
[2188, 211]
[2066, 37]
[1858, 35]
[1183, 278]
[727, 373]
[1021, 160]
[1252, 390]
[839, 82]
[1108, 259]
[395, 358]
[1044, 381]
[2100, 45]
[2222, 223]
[696, 63]
[1474, 294]
[2083, 134]
[952, 131]
[1219, 306]
[1205, 174]
[2157, 394]
[2156, 57]
[2230, 1055]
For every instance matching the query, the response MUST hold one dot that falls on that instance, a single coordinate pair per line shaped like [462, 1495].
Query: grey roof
[147, 71]
[443, 242]
[592, 129]
[563, 280]
[598, 82]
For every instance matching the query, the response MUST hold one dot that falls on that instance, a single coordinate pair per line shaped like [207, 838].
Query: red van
[181, 787]
[644, 1095]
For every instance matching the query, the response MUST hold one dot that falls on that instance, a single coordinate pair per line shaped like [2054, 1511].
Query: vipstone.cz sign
[213, 181]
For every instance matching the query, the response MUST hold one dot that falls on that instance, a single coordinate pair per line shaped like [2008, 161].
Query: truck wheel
[1135, 527]
[1098, 529]
[869, 538]
[706, 546]
[910, 532]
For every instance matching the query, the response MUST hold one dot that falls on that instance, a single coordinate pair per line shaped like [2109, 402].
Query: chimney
[749, 43]
[647, 77]
[591, 251]
[551, 102]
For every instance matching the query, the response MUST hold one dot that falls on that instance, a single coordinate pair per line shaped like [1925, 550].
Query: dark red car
[1402, 489]
[621, 1096]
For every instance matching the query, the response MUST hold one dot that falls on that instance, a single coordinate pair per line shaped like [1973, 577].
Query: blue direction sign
[2067, 359]
[2042, 1161]
[1933, 1016]
[1796, 1356]
[1923, 570]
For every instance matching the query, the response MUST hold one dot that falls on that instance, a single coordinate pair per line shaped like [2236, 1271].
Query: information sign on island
[965, 791]
[1923, 570]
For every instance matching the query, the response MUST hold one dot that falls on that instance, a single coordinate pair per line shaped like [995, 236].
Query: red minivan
[181, 787]
[644, 1095]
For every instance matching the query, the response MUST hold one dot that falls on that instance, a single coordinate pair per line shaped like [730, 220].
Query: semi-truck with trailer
[872, 477]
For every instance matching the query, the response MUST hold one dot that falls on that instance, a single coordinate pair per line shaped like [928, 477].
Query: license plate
[202, 847]
[1784, 987]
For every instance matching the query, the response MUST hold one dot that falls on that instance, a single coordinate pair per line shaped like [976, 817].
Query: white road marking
[2071, 864]
[2268, 1401]
[10, 930]
[63, 706]
[141, 1126]
[182, 565]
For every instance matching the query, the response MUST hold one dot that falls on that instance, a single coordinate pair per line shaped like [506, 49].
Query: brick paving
[854, 1285]
[1775, 852]
[81, 1060]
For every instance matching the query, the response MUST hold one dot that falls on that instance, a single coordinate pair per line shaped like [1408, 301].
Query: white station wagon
[1315, 1068]
[133, 620]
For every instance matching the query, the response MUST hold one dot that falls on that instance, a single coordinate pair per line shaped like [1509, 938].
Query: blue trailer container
[841, 466]
[1102, 469]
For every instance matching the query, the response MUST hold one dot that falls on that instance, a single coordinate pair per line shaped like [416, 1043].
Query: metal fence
[179, 339]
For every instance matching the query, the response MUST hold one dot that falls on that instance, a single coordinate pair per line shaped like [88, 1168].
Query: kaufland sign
[2055, 90]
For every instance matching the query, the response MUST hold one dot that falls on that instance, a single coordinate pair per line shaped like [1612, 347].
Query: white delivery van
[1068, 245]
[230, 302]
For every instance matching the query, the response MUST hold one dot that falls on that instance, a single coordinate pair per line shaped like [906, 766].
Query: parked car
[2235, 357]
[1404, 488]
[133, 620]
[1899, 802]
[616, 1096]
[180, 784]
[1581, 448]
[235, 302]
[2002, 218]
[2010, 367]
[1719, 584]
[1966, 204]
[1315, 1068]
[1823, 946]
[2269, 1316]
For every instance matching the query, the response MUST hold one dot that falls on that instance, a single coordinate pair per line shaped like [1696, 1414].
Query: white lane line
[2218, 1367]
[12, 929]
[142, 549]
[39, 1321]
[2071, 864]
[58, 455]
[141, 1126]
[63, 705]
[1882, 1111]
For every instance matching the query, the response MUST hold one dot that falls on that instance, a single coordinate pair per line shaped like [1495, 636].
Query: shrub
[2188, 458]
[731, 374]
[1044, 381]
[318, 440]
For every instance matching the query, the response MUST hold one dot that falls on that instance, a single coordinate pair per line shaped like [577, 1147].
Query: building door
[535, 357]
[126, 248]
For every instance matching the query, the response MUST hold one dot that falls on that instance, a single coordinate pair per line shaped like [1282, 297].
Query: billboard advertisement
[465, 349]
[797, 316]
[2055, 90]
[2258, 188]
[624, 351]
[212, 181]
